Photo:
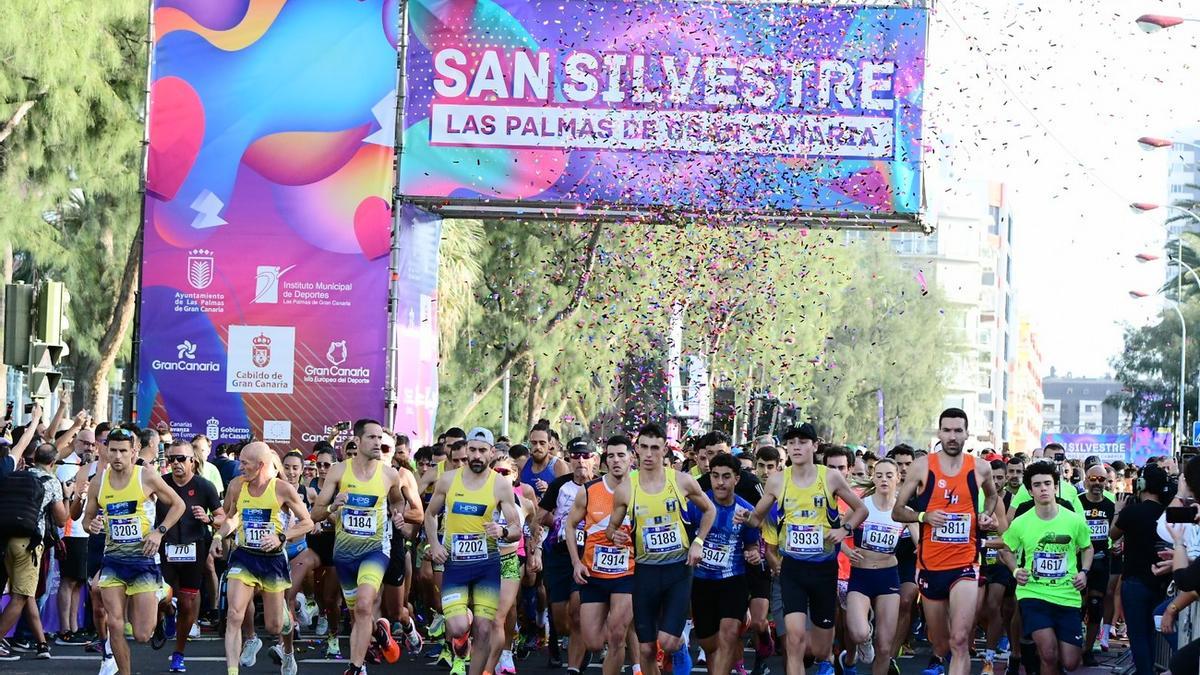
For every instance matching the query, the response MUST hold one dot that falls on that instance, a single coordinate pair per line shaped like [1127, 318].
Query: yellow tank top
[467, 511]
[261, 518]
[659, 537]
[362, 522]
[126, 516]
[806, 514]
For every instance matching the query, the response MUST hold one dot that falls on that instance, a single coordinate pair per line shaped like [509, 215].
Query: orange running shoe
[387, 644]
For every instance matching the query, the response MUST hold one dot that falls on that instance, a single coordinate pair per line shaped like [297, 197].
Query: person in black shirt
[185, 545]
[1141, 589]
[1099, 511]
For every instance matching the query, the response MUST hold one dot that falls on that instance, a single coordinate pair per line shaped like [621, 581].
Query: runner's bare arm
[577, 514]
[91, 523]
[321, 507]
[620, 508]
[529, 503]
[436, 503]
[560, 468]
[991, 498]
[692, 491]
[901, 513]
[404, 497]
[232, 515]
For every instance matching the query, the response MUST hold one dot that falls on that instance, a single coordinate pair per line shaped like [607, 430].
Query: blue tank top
[530, 477]
[722, 555]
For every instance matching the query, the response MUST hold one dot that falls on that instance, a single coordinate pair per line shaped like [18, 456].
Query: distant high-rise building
[1078, 405]
[1025, 415]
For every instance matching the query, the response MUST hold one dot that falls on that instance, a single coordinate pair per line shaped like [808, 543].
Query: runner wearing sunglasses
[1099, 511]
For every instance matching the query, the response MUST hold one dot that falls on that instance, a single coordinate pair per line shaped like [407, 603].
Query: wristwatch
[848, 529]
[161, 529]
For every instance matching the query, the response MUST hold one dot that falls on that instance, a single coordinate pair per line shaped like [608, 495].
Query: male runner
[185, 546]
[542, 467]
[995, 579]
[1066, 492]
[808, 534]
[947, 485]
[553, 510]
[656, 500]
[255, 503]
[129, 571]
[721, 587]
[359, 495]
[470, 497]
[1098, 511]
[604, 570]
[1042, 546]
[396, 580]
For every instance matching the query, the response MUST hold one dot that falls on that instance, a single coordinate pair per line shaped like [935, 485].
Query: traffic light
[48, 348]
[18, 314]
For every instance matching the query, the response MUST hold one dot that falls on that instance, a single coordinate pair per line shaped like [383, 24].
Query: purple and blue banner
[268, 217]
[665, 103]
[1137, 447]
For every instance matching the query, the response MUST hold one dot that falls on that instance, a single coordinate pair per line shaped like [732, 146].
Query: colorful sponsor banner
[267, 217]
[669, 103]
[415, 330]
[1150, 442]
[1108, 447]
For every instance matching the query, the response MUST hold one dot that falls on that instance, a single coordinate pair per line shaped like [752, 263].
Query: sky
[1049, 97]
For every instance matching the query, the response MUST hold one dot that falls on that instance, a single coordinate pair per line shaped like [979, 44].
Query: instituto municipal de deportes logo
[200, 268]
[260, 351]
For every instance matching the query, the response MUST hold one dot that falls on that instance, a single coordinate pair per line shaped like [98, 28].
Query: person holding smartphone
[1141, 588]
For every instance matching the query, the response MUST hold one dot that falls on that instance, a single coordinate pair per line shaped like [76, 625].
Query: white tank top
[879, 532]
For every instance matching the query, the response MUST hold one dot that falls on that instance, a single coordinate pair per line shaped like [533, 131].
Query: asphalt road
[205, 656]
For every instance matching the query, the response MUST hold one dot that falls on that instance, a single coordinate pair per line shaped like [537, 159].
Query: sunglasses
[580, 455]
[324, 465]
[177, 458]
[119, 435]
[1096, 479]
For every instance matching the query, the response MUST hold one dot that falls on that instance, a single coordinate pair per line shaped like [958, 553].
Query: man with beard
[1098, 510]
[557, 571]
[604, 570]
[359, 495]
[1041, 548]
[468, 548]
[947, 485]
[129, 574]
[185, 546]
[542, 467]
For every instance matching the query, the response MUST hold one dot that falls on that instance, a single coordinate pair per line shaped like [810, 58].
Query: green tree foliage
[72, 76]
[1148, 370]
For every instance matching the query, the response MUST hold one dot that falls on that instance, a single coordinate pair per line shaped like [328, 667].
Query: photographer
[1185, 564]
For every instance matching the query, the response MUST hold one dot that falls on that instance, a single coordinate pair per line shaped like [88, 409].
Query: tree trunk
[533, 405]
[11, 125]
[114, 332]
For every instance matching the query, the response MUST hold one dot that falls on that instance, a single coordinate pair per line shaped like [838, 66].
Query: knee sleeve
[1095, 609]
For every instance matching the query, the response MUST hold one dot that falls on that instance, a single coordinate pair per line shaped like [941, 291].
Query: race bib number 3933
[805, 539]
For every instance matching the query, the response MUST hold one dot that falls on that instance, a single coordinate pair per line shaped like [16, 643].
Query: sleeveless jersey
[498, 516]
[603, 558]
[127, 516]
[953, 545]
[1099, 517]
[261, 519]
[806, 513]
[467, 511]
[362, 522]
[530, 477]
[659, 535]
[879, 532]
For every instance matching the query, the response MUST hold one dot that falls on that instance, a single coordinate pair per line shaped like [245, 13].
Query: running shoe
[43, 650]
[866, 651]
[169, 626]
[158, 639]
[250, 649]
[387, 644]
[681, 661]
[412, 640]
[22, 645]
[355, 670]
[444, 658]
[95, 646]
[701, 658]
[108, 666]
[894, 668]
[194, 632]
[851, 669]
[333, 648]
[739, 668]
[1003, 646]
[177, 665]
[438, 627]
[935, 667]
[824, 668]
[459, 666]
[288, 667]
[67, 638]
[275, 651]
[6, 654]
[989, 668]
[505, 665]
[322, 625]
[765, 646]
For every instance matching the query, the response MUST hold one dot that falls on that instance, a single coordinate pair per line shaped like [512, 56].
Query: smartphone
[28, 408]
[1181, 514]
[1060, 457]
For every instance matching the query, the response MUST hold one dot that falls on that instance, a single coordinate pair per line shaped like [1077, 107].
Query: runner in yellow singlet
[656, 501]
[255, 502]
[469, 550]
[117, 503]
[359, 495]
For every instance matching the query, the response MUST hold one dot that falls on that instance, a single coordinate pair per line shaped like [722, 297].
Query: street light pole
[1179, 430]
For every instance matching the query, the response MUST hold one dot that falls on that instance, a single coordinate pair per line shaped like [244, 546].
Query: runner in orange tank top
[946, 486]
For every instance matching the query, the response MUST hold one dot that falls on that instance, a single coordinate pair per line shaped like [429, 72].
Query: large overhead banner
[268, 221]
[1108, 447]
[665, 103]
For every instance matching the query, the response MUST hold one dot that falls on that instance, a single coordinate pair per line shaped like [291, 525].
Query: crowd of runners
[631, 552]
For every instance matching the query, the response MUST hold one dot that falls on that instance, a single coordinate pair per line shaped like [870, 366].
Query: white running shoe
[289, 665]
[108, 666]
[195, 632]
[250, 652]
[322, 626]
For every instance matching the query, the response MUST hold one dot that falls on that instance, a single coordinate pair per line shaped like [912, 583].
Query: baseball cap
[808, 431]
[580, 445]
[481, 434]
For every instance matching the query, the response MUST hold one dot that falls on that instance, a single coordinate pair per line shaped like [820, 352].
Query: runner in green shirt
[1041, 549]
